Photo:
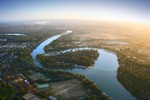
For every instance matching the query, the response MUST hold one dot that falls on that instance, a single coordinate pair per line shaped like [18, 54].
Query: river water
[103, 73]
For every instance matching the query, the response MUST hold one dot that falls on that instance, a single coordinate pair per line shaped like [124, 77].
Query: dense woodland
[65, 60]
[134, 76]
[7, 91]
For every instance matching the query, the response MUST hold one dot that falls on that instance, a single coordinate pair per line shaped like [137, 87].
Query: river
[103, 73]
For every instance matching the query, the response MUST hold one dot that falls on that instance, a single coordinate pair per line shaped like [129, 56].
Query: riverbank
[64, 85]
[101, 64]
[72, 59]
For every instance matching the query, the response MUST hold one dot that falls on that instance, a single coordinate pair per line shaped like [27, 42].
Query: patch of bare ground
[68, 89]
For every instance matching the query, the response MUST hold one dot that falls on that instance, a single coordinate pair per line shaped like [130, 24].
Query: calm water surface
[103, 73]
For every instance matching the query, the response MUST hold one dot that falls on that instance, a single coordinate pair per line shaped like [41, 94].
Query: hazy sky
[126, 10]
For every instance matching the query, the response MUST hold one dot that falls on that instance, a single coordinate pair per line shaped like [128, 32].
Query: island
[83, 58]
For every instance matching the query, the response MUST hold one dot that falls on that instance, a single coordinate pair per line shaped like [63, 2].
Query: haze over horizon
[114, 10]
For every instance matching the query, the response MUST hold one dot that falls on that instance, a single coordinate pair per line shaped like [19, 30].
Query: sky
[120, 10]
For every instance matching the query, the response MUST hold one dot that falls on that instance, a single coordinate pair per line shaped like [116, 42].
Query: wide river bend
[103, 73]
